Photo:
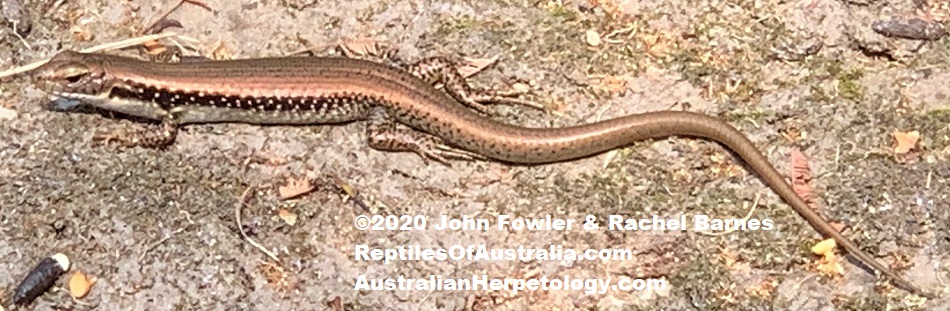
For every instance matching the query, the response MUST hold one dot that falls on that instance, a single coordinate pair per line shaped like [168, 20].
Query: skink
[311, 90]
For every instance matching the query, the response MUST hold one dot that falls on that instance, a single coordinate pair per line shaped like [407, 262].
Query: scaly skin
[310, 90]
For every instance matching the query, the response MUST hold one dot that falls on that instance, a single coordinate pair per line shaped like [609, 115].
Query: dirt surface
[157, 228]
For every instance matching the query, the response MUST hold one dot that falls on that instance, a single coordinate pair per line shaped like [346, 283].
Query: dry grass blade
[103, 47]
[237, 218]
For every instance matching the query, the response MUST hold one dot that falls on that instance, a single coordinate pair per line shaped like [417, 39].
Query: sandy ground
[158, 229]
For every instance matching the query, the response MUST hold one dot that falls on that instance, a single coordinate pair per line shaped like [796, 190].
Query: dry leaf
[837, 225]
[614, 84]
[294, 188]
[220, 52]
[336, 304]
[80, 284]
[276, 276]
[729, 258]
[475, 65]
[593, 38]
[764, 289]
[287, 216]
[360, 47]
[265, 157]
[824, 247]
[80, 34]
[348, 189]
[905, 141]
[801, 176]
[275, 161]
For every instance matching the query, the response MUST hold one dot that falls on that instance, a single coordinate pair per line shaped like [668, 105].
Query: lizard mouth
[59, 101]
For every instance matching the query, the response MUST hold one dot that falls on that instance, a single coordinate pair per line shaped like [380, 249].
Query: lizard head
[72, 76]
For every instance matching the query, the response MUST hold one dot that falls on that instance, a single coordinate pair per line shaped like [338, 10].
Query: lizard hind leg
[447, 72]
[384, 134]
[440, 71]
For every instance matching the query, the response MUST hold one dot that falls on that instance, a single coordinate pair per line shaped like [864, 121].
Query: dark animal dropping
[40, 278]
[913, 28]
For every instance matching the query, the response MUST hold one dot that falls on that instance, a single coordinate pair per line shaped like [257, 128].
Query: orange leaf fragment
[905, 141]
[801, 176]
[80, 284]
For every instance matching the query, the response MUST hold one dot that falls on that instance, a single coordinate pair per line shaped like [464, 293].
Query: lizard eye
[73, 73]
[73, 79]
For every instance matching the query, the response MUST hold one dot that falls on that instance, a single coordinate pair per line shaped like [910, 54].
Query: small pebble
[7, 114]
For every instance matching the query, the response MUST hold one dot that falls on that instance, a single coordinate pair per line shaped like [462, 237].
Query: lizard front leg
[153, 136]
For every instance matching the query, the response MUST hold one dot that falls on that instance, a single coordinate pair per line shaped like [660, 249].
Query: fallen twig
[156, 244]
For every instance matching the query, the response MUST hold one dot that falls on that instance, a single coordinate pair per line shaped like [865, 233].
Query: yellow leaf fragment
[829, 265]
[824, 247]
